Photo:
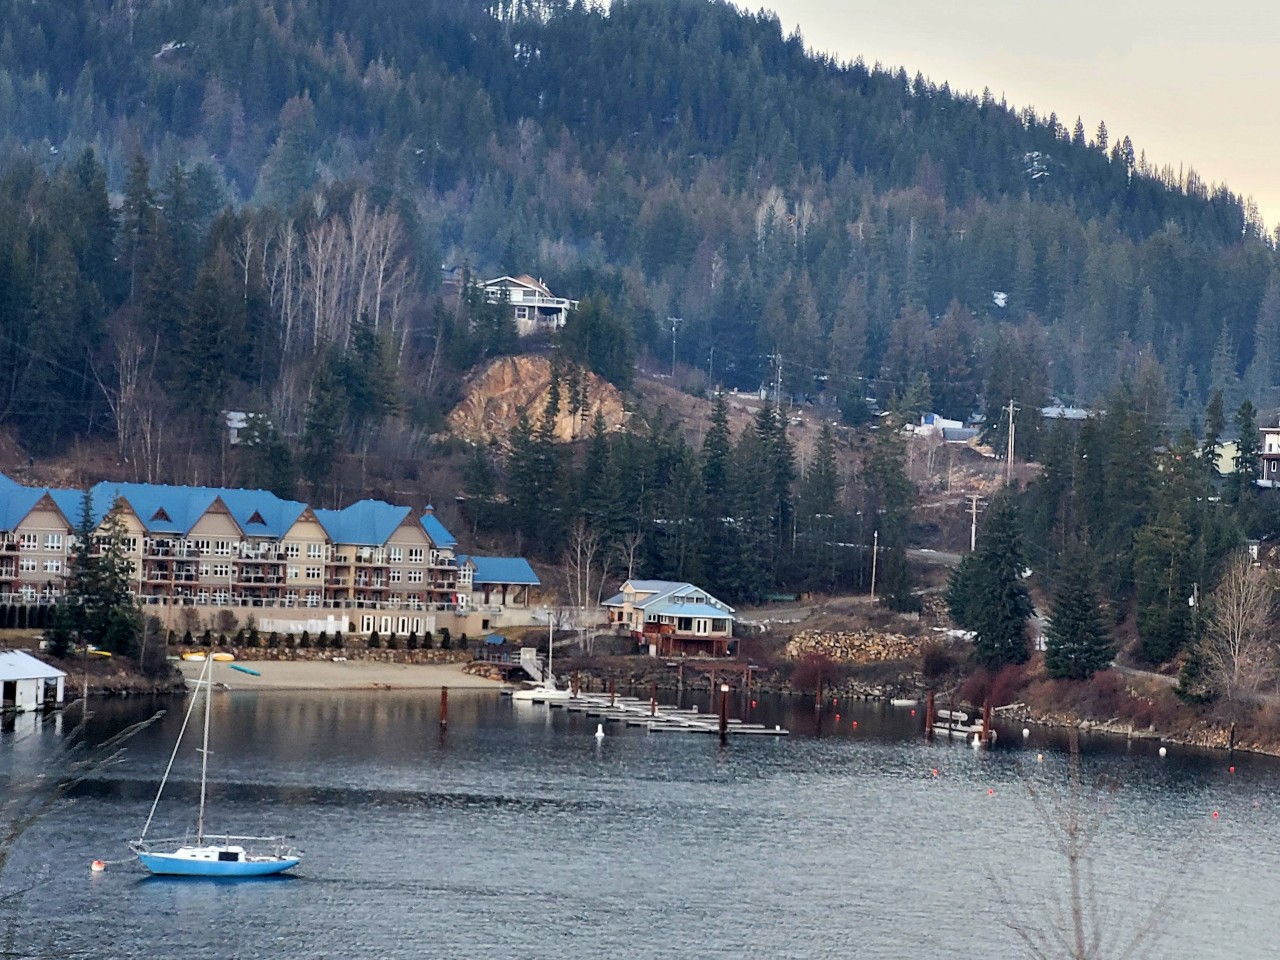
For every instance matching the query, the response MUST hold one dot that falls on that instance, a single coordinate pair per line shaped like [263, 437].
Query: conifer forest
[281, 207]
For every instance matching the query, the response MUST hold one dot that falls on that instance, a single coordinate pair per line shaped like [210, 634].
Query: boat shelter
[27, 683]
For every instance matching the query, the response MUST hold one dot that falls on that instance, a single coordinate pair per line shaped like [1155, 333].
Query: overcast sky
[1192, 83]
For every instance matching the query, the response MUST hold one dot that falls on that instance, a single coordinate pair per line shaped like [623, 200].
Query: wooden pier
[657, 718]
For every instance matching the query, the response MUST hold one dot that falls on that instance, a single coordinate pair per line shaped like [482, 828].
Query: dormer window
[257, 518]
[160, 514]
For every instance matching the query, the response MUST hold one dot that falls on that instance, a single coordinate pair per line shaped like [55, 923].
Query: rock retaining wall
[861, 646]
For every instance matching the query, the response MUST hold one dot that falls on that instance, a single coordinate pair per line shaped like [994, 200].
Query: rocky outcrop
[498, 394]
[862, 646]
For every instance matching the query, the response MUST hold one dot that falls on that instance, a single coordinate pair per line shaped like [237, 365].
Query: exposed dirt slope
[498, 394]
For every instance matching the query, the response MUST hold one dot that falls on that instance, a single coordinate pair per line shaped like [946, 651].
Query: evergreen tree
[323, 426]
[1163, 586]
[1215, 421]
[999, 606]
[1248, 463]
[1078, 643]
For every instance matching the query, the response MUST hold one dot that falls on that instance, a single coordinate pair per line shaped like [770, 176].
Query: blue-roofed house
[35, 536]
[385, 559]
[501, 591]
[672, 619]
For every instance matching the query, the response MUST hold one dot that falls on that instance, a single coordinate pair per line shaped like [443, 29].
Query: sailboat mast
[207, 677]
[551, 646]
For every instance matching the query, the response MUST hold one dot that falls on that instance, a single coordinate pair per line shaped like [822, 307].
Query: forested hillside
[247, 205]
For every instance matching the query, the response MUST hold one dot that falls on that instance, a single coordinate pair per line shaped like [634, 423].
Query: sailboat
[545, 689]
[208, 854]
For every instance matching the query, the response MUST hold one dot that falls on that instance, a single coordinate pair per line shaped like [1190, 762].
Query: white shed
[29, 684]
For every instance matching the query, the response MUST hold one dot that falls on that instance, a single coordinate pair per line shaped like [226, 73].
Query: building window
[293, 572]
[395, 575]
[292, 551]
[415, 576]
[222, 570]
[29, 541]
[53, 566]
[315, 551]
[53, 541]
[222, 548]
[202, 596]
[313, 573]
[522, 313]
[221, 597]
[201, 545]
[313, 598]
[415, 554]
[28, 565]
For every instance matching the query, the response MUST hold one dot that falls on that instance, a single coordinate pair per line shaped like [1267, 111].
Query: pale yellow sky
[1191, 83]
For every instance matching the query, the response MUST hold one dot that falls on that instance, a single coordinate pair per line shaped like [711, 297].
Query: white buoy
[1163, 751]
[1025, 733]
[599, 731]
[977, 741]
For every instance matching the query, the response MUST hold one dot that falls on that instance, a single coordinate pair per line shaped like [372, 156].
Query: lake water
[516, 834]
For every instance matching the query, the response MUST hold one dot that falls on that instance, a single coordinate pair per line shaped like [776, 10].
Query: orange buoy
[935, 771]
[98, 866]
[1215, 814]
[990, 792]
[1231, 769]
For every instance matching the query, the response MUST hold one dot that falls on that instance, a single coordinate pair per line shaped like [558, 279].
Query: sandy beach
[350, 675]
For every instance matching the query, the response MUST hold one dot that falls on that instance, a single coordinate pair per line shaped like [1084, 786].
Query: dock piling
[930, 716]
[444, 707]
[613, 691]
[724, 713]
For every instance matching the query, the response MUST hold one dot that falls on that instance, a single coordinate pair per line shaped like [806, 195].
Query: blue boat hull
[170, 865]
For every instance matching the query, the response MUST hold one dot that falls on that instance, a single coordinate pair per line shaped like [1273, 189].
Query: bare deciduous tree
[1237, 655]
[1074, 925]
[583, 565]
[26, 799]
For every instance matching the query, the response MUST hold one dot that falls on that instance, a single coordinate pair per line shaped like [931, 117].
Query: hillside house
[672, 619]
[1269, 474]
[534, 308]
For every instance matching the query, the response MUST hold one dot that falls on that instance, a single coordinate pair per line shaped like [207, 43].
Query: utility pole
[777, 380]
[1008, 463]
[875, 549]
[675, 324]
[973, 522]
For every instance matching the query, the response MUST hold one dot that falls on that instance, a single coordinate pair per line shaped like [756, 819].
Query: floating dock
[657, 718]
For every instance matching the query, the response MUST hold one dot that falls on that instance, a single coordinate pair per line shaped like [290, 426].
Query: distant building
[501, 592]
[214, 550]
[29, 684]
[672, 619]
[534, 307]
[1270, 467]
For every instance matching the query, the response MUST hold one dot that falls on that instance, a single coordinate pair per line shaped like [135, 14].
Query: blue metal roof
[366, 523]
[437, 532]
[15, 503]
[688, 610]
[160, 507]
[514, 570]
[660, 594]
[261, 513]
[71, 503]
